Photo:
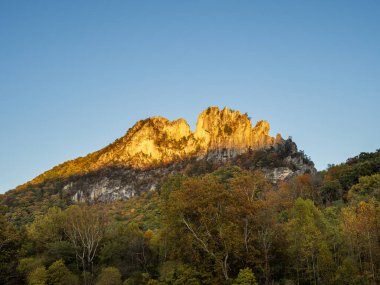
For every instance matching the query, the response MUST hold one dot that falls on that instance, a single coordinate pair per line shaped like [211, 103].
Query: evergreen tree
[245, 277]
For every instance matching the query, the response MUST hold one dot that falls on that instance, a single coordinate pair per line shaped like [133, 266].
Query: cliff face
[156, 147]
[217, 129]
[150, 142]
[159, 141]
[156, 141]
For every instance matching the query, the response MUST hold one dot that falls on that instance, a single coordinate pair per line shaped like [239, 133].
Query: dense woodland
[228, 225]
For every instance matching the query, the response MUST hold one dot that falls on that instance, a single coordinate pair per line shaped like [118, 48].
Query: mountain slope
[157, 141]
[156, 147]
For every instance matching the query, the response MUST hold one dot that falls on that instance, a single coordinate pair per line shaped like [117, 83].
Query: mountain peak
[155, 147]
[158, 141]
[227, 128]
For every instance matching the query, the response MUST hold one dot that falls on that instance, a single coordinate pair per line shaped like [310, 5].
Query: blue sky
[75, 75]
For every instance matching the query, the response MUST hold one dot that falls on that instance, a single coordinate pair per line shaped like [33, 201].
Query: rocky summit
[158, 141]
[156, 147]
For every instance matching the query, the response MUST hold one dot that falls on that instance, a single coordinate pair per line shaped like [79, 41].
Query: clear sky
[75, 75]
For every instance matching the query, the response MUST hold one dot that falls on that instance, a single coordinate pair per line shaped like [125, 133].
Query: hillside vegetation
[210, 223]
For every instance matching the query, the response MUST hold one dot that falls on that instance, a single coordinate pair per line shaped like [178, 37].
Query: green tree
[60, 250]
[331, 191]
[59, 274]
[326, 265]
[245, 277]
[137, 278]
[348, 273]
[177, 273]
[127, 247]
[368, 188]
[109, 276]
[10, 242]
[206, 226]
[38, 276]
[306, 235]
[47, 228]
[28, 264]
[85, 227]
[171, 184]
[361, 230]
[213, 221]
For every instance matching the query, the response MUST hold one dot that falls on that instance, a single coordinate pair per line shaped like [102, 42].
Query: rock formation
[155, 147]
[156, 141]
[217, 129]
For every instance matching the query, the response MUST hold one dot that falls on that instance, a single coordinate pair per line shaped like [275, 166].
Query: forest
[229, 225]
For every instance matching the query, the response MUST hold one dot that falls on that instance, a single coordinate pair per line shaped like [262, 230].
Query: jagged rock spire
[158, 140]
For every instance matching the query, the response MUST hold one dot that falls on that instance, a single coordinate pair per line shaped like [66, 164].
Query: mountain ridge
[153, 149]
[157, 141]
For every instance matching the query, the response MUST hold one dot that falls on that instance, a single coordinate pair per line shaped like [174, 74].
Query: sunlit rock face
[150, 142]
[218, 129]
[154, 148]
[157, 141]
[151, 148]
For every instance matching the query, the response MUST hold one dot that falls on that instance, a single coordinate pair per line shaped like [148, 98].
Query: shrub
[38, 276]
[245, 277]
[59, 274]
[109, 276]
